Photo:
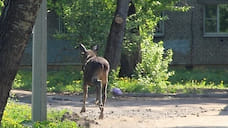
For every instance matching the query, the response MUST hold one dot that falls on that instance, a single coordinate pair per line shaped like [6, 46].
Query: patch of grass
[57, 81]
[208, 75]
[183, 81]
[129, 85]
[19, 116]
[208, 78]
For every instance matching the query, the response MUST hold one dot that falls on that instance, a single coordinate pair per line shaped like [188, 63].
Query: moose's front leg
[85, 95]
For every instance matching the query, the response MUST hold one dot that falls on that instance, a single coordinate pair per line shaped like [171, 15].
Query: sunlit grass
[183, 81]
[17, 115]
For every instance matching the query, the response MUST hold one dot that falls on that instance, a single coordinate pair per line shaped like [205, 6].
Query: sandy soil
[142, 112]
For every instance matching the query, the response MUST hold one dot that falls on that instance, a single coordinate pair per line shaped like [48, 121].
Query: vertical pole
[39, 65]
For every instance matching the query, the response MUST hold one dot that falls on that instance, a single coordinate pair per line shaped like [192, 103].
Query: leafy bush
[23, 80]
[155, 62]
[132, 85]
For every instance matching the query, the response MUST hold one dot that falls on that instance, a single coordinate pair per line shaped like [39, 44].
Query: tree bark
[130, 59]
[115, 38]
[16, 23]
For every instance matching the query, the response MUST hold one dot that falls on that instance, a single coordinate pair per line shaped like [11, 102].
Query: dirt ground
[142, 112]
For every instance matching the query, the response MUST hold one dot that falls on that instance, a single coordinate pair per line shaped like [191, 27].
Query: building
[199, 36]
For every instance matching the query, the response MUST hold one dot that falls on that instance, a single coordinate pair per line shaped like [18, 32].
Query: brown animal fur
[96, 71]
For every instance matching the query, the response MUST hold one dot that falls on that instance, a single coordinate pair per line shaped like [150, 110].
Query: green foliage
[153, 69]
[148, 14]
[154, 65]
[23, 80]
[57, 81]
[184, 81]
[19, 116]
[15, 115]
[1, 5]
[213, 77]
[48, 124]
[64, 81]
[86, 21]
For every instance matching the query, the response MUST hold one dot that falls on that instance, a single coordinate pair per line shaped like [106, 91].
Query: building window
[216, 20]
[159, 30]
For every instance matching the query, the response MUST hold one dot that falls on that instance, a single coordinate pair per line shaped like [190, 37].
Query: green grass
[184, 81]
[57, 81]
[215, 76]
[18, 115]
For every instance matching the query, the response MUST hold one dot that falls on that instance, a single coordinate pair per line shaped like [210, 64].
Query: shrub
[155, 63]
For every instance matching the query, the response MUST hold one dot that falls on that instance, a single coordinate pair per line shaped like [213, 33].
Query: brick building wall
[184, 33]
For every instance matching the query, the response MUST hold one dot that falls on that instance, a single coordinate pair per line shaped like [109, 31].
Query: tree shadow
[224, 111]
[153, 100]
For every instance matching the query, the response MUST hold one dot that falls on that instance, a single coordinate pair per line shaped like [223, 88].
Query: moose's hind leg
[97, 95]
[98, 84]
[104, 98]
[85, 95]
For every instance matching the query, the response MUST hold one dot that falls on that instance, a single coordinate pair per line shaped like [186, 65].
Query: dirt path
[144, 112]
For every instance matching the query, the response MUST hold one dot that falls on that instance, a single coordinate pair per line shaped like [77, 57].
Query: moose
[95, 71]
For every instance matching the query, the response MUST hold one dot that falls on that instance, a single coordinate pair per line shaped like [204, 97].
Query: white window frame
[213, 34]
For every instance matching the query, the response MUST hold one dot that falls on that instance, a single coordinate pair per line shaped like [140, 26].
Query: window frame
[161, 22]
[213, 34]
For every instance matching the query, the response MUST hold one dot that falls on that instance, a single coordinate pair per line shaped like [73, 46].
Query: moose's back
[96, 68]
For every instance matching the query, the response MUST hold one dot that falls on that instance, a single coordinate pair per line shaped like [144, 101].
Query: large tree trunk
[115, 38]
[129, 59]
[16, 24]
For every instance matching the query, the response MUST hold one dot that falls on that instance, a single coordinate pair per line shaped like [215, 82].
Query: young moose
[96, 71]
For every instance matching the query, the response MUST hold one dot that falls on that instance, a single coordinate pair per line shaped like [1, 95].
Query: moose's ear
[95, 48]
[82, 48]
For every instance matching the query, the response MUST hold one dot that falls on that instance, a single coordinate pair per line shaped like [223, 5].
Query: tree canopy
[89, 21]
[85, 21]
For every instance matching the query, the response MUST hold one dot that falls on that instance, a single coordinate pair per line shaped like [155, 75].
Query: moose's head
[87, 53]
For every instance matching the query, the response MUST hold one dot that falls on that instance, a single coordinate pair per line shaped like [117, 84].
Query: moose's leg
[97, 95]
[98, 84]
[104, 93]
[85, 95]
[101, 106]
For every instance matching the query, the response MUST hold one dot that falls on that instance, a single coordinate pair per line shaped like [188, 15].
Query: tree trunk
[115, 38]
[16, 24]
[130, 59]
